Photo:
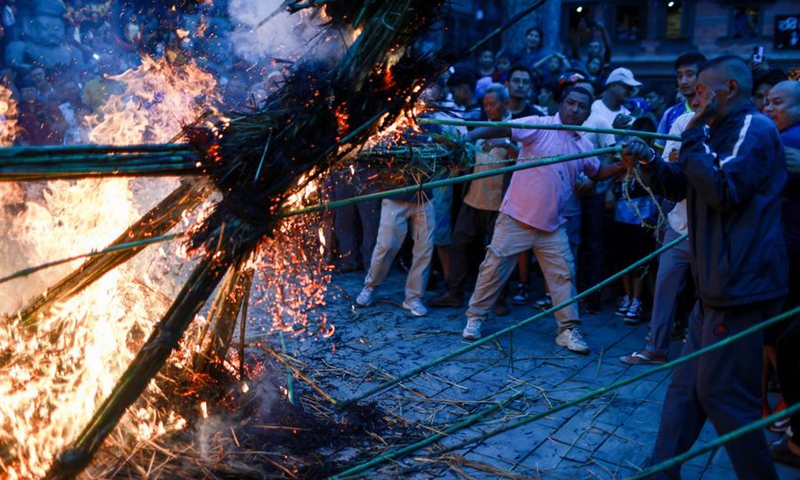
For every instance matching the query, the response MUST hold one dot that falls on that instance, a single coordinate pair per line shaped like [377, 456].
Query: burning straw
[261, 160]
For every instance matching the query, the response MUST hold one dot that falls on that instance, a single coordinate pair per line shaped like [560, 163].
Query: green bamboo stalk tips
[527, 126]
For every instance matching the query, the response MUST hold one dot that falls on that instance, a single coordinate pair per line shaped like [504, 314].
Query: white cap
[622, 75]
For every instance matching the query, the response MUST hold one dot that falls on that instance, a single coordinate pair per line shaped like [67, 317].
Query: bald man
[783, 107]
[731, 170]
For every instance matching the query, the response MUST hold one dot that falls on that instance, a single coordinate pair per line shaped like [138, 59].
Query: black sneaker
[522, 296]
[544, 303]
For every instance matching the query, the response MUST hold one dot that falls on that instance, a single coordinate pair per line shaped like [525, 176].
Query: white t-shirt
[600, 108]
[677, 217]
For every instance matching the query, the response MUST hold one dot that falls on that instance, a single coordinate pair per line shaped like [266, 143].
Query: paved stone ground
[607, 438]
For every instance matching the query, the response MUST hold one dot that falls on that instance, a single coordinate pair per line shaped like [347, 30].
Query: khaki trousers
[395, 219]
[553, 254]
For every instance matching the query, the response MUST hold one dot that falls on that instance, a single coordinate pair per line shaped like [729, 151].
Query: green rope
[627, 381]
[717, 442]
[115, 248]
[450, 181]
[528, 126]
[602, 390]
[428, 440]
[487, 339]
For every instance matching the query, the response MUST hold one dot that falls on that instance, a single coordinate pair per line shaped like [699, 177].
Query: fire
[8, 117]
[59, 371]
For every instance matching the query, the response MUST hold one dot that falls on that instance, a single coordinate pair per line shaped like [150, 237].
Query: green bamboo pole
[450, 181]
[58, 150]
[414, 371]
[717, 442]
[100, 165]
[658, 468]
[114, 248]
[428, 440]
[530, 126]
[628, 381]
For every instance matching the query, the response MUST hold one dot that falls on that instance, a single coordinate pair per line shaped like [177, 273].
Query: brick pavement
[608, 437]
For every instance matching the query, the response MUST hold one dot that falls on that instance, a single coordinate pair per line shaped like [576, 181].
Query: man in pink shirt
[531, 215]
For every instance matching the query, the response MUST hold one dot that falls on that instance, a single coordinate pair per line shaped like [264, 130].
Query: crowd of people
[59, 60]
[728, 184]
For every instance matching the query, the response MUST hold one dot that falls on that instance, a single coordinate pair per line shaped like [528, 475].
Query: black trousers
[789, 345]
[472, 226]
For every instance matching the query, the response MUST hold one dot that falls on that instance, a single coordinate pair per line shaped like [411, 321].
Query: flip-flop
[780, 452]
[639, 358]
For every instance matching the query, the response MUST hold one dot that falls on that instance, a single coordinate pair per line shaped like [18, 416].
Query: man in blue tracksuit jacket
[732, 172]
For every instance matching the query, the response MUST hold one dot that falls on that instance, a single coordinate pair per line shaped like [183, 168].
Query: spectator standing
[620, 86]
[732, 176]
[533, 50]
[481, 205]
[784, 110]
[686, 67]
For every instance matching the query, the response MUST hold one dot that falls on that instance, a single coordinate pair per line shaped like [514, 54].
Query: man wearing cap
[620, 85]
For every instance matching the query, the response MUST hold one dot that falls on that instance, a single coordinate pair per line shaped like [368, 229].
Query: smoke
[282, 36]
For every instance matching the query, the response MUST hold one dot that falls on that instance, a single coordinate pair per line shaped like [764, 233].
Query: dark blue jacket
[732, 175]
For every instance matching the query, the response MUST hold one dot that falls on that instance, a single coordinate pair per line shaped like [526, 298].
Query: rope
[450, 181]
[635, 378]
[115, 248]
[717, 442]
[530, 126]
[478, 343]
[658, 468]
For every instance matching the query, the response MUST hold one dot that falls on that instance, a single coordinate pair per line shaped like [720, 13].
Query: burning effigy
[113, 351]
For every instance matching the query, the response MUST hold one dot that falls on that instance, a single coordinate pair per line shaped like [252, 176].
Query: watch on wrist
[652, 157]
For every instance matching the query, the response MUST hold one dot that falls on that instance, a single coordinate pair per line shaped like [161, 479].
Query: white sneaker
[634, 313]
[573, 340]
[473, 329]
[415, 307]
[624, 306]
[365, 297]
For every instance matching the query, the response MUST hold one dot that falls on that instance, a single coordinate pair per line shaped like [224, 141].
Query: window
[575, 19]
[746, 21]
[673, 25]
[630, 22]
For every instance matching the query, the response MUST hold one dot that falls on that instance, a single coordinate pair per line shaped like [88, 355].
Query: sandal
[643, 358]
[780, 452]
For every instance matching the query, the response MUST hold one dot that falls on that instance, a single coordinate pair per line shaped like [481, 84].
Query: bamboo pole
[165, 337]
[67, 150]
[716, 443]
[414, 371]
[158, 221]
[603, 390]
[531, 126]
[450, 181]
[100, 165]
[656, 469]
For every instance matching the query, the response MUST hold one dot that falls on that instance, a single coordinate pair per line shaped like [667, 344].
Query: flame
[8, 117]
[59, 372]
